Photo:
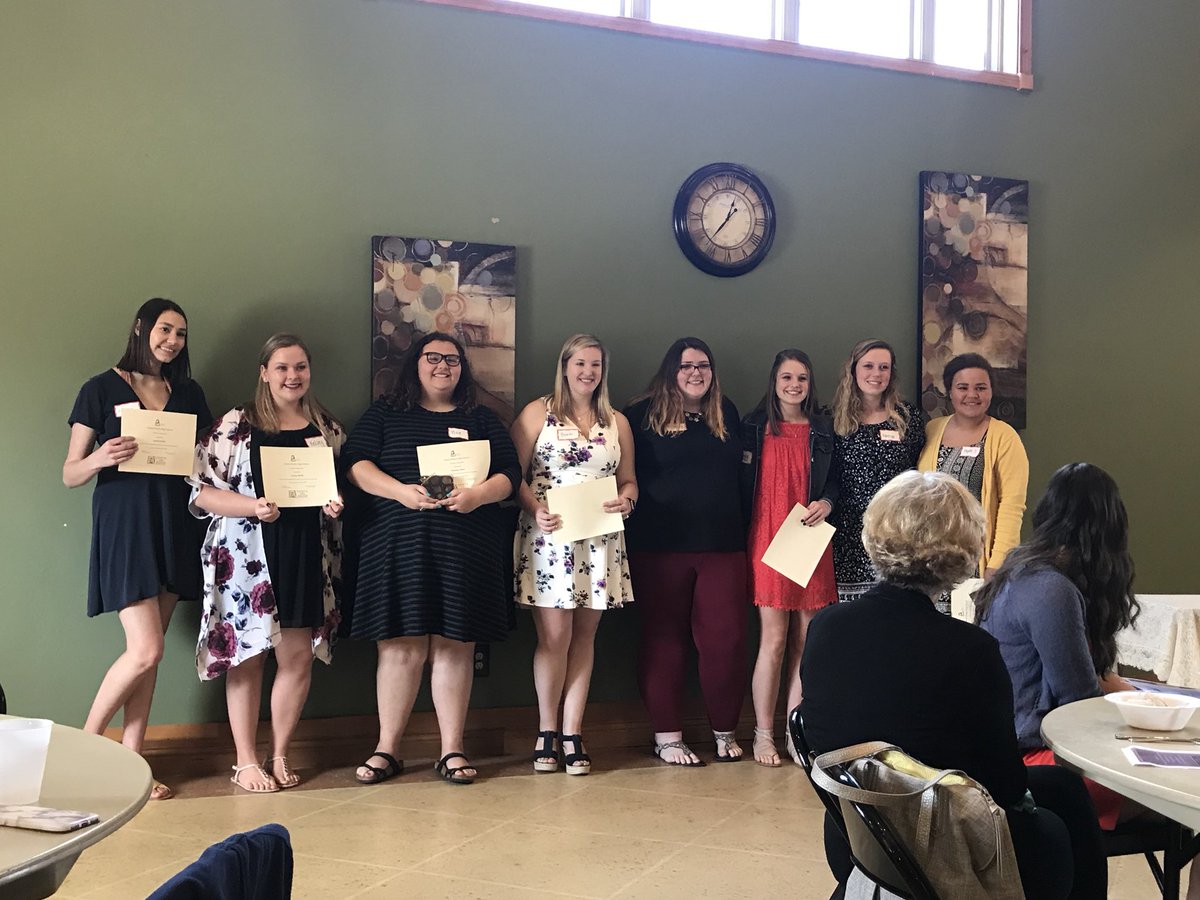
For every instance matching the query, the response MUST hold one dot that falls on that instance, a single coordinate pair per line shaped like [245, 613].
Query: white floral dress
[239, 619]
[592, 573]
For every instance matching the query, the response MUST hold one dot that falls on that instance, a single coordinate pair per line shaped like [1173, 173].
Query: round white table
[84, 772]
[1081, 736]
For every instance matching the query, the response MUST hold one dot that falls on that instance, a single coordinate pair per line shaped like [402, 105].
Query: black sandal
[578, 763]
[546, 750]
[449, 773]
[393, 768]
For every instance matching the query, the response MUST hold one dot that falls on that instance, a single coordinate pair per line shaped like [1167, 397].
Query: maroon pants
[686, 598]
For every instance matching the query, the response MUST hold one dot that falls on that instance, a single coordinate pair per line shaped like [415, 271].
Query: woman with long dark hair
[788, 458]
[145, 547]
[270, 575]
[687, 549]
[432, 567]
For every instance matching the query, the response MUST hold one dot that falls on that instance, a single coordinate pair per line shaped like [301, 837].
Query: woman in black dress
[432, 570]
[270, 574]
[145, 547]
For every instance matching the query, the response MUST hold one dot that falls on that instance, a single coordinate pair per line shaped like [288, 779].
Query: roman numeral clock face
[724, 219]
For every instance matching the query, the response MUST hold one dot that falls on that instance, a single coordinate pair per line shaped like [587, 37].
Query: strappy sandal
[450, 774]
[160, 791]
[764, 745]
[546, 751]
[578, 763]
[393, 768]
[289, 780]
[270, 788]
[677, 745]
[791, 748]
[726, 742]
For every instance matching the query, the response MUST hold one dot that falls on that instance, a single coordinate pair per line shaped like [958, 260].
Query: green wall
[237, 155]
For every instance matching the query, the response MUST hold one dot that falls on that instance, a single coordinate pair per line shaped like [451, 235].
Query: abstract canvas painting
[460, 288]
[973, 284]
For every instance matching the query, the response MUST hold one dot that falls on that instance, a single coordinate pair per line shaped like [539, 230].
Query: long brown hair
[769, 404]
[847, 399]
[559, 403]
[665, 415]
[137, 356]
[263, 414]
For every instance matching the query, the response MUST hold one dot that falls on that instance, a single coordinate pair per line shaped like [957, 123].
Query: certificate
[582, 509]
[298, 476]
[166, 441]
[962, 598]
[797, 548]
[467, 462]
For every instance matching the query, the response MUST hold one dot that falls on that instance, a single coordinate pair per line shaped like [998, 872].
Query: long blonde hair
[847, 399]
[262, 412]
[559, 403]
[665, 415]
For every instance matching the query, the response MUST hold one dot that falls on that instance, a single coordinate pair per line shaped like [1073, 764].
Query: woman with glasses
[879, 436]
[570, 437]
[687, 549]
[432, 573]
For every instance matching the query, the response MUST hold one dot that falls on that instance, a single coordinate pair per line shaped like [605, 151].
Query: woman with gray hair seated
[890, 667]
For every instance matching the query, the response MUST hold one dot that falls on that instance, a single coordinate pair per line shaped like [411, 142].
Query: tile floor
[632, 829]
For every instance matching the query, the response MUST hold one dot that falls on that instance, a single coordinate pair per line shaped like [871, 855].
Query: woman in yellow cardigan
[984, 454]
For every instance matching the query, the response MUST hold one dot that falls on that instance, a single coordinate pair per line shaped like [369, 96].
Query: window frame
[1022, 80]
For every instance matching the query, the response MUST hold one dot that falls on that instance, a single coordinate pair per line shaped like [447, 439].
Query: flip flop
[726, 741]
[677, 745]
[270, 788]
[393, 768]
[289, 780]
[450, 774]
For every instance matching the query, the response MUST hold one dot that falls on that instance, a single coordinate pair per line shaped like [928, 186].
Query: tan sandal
[160, 791]
[289, 780]
[764, 747]
[269, 788]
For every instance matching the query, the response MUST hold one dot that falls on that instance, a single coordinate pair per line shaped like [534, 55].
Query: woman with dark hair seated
[889, 667]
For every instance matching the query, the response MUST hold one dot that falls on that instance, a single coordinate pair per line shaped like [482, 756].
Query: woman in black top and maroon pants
[687, 545]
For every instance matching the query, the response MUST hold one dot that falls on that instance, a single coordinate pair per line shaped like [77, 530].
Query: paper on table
[797, 548]
[166, 441]
[1163, 759]
[582, 509]
[298, 476]
[962, 601]
[1154, 687]
[467, 462]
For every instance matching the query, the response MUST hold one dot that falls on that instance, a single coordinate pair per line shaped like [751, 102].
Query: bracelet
[632, 504]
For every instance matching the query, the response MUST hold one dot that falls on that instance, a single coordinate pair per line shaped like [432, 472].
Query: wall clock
[724, 219]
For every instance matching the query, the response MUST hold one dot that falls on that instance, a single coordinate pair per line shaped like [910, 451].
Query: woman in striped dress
[432, 574]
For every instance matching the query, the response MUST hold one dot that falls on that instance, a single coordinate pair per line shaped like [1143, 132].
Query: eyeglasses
[695, 367]
[453, 360]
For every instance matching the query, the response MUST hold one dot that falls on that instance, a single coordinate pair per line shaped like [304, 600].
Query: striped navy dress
[432, 571]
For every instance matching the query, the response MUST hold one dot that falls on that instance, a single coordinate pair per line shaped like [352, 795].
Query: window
[974, 40]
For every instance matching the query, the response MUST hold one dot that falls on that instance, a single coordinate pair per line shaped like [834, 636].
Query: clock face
[724, 219]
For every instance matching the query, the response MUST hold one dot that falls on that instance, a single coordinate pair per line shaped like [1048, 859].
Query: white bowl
[1152, 711]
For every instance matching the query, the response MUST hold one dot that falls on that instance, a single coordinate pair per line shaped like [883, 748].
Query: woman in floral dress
[569, 437]
[270, 574]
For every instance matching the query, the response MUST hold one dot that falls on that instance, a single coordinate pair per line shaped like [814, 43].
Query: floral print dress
[592, 573]
[239, 618]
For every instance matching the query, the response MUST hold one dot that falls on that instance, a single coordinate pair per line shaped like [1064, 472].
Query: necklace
[693, 416]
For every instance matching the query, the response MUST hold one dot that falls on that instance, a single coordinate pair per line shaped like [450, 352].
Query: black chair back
[875, 847]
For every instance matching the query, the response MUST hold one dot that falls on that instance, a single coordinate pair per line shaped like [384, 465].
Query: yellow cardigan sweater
[1005, 480]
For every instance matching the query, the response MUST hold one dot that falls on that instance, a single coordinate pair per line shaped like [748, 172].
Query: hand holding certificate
[797, 548]
[581, 507]
[166, 441]
[467, 462]
[298, 476]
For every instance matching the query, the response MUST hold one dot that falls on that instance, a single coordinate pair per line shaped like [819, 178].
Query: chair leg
[1160, 877]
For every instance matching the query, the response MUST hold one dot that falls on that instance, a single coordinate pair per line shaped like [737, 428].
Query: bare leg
[243, 697]
[580, 659]
[796, 637]
[294, 657]
[397, 679]
[765, 682]
[451, 673]
[550, 665]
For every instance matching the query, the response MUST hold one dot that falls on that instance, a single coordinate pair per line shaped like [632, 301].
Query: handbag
[947, 820]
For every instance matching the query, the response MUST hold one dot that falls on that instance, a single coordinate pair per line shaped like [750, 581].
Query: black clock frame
[683, 237]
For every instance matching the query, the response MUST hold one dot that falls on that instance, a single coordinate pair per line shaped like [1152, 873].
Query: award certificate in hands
[166, 441]
[797, 548]
[298, 476]
[467, 462]
[582, 509]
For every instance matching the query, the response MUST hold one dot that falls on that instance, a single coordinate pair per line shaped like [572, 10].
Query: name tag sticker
[458, 433]
[888, 434]
[318, 441]
[968, 451]
[747, 457]
[121, 407]
[568, 434]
